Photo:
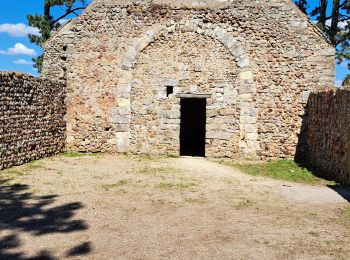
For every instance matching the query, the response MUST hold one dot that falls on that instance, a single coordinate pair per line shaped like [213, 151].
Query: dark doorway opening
[192, 131]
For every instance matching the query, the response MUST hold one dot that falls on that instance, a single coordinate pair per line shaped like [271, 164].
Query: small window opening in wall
[107, 129]
[65, 48]
[169, 90]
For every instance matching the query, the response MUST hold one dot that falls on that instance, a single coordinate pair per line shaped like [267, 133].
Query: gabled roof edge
[69, 23]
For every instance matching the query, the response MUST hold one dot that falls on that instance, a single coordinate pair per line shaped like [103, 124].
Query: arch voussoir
[248, 112]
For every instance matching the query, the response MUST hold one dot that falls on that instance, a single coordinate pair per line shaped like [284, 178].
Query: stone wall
[325, 143]
[257, 60]
[32, 118]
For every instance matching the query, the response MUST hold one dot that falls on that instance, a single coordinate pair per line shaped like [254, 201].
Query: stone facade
[325, 145]
[255, 61]
[32, 112]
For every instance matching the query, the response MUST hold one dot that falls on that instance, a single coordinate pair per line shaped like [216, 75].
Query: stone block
[122, 119]
[250, 128]
[236, 51]
[248, 109]
[243, 63]
[123, 145]
[123, 102]
[124, 88]
[305, 95]
[248, 87]
[171, 82]
[219, 135]
[122, 111]
[246, 75]
[171, 114]
[122, 127]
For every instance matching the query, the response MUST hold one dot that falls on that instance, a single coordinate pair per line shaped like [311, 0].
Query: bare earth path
[120, 207]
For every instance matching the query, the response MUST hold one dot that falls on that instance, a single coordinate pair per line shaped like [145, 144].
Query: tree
[334, 22]
[346, 81]
[47, 24]
[302, 4]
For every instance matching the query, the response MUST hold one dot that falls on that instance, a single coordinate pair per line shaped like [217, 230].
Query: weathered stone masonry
[326, 138]
[257, 62]
[32, 112]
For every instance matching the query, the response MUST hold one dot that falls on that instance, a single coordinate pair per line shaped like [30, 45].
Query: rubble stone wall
[32, 118]
[327, 134]
[256, 60]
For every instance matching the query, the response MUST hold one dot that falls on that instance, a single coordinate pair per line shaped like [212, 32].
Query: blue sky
[16, 51]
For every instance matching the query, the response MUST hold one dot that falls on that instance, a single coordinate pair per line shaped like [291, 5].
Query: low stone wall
[32, 118]
[325, 141]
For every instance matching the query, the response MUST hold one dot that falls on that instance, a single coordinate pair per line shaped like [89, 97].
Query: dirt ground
[128, 207]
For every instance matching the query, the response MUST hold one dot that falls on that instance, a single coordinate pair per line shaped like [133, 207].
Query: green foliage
[332, 18]
[302, 4]
[46, 23]
[346, 81]
[71, 154]
[281, 169]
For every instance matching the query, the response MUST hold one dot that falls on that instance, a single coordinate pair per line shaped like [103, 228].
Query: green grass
[115, 185]
[244, 204]
[346, 213]
[11, 173]
[157, 170]
[33, 165]
[176, 185]
[71, 154]
[150, 157]
[195, 201]
[281, 169]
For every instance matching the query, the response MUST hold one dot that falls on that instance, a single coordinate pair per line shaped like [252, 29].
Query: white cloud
[329, 22]
[23, 62]
[341, 25]
[338, 83]
[19, 49]
[63, 21]
[18, 30]
[344, 64]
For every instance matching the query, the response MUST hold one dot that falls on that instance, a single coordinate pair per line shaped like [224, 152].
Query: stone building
[220, 78]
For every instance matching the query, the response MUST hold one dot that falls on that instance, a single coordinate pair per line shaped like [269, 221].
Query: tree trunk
[333, 30]
[47, 7]
[323, 14]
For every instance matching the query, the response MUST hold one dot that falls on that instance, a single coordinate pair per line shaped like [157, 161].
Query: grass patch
[154, 158]
[145, 157]
[195, 201]
[281, 169]
[176, 185]
[157, 170]
[313, 233]
[71, 154]
[33, 165]
[346, 213]
[115, 185]
[11, 173]
[244, 204]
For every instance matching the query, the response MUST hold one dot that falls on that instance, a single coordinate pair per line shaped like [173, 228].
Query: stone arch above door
[248, 115]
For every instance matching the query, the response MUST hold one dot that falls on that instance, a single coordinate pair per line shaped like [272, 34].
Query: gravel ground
[129, 207]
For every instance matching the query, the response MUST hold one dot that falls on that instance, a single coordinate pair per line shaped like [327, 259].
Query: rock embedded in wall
[325, 140]
[267, 63]
[32, 118]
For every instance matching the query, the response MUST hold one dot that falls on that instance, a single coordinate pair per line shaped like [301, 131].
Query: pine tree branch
[67, 13]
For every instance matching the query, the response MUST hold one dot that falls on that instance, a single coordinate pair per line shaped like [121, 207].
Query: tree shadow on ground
[22, 211]
[342, 190]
